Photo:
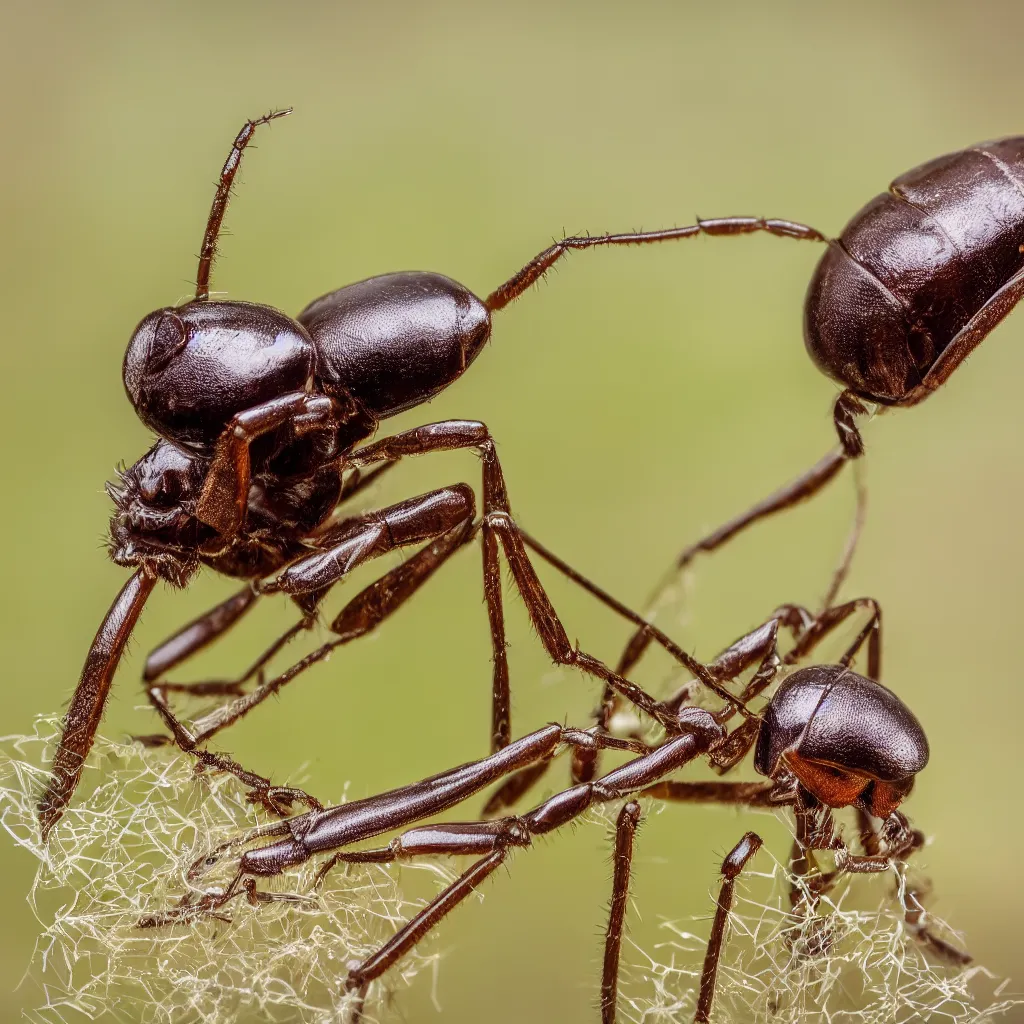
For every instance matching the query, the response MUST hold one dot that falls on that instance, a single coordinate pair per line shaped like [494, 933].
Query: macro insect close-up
[259, 418]
[548, 779]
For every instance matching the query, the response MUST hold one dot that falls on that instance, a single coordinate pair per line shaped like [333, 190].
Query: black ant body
[260, 417]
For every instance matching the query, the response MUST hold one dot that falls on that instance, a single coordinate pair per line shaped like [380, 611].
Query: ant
[828, 738]
[917, 279]
[260, 418]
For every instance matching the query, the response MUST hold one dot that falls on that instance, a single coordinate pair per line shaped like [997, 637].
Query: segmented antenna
[220, 201]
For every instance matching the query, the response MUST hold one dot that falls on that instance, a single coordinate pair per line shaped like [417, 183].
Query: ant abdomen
[396, 340]
[913, 266]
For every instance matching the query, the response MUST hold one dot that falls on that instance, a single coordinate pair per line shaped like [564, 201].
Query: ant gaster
[828, 738]
[259, 418]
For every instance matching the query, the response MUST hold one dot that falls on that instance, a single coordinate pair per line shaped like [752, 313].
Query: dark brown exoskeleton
[829, 738]
[260, 418]
[915, 282]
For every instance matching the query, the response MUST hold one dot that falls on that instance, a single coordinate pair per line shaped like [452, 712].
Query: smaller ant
[828, 738]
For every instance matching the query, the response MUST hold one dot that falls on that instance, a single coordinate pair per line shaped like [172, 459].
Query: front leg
[86, 709]
[225, 493]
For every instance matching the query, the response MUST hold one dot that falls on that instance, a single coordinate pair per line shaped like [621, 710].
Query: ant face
[153, 518]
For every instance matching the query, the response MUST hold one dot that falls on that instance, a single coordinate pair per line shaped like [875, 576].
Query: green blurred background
[638, 397]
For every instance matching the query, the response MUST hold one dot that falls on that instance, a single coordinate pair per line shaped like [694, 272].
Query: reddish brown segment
[833, 786]
[86, 708]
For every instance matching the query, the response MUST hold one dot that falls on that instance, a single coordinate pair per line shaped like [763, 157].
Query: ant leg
[911, 899]
[794, 493]
[449, 435]
[430, 516]
[814, 830]
[446, 514]
[371, 606]
[970, 336]
[625, 833]
[448, 839]
[844, 415]
[225, 495]
[544, 261]
[739, 794]
[220, 200]
[361, 615]
[516, 540]
[555, 639]
[521, 781]
[501, 702]
[277, 800]
[900, 841]
[830, 620]
[200, 632]
[358, 481]
[759, 644]
[733, 864]
[860, 511]
[737, 744]
[559, 810]
[425, 517]
[233, 687]
[425, 921]
[157, 692]
[86, 708]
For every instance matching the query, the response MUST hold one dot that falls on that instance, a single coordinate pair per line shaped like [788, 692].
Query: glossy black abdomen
[396, 340]
[913, 266]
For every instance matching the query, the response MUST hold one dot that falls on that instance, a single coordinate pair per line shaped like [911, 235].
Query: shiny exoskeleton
[259, 418]
[828, 738]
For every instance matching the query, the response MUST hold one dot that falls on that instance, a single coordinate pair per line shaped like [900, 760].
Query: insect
[260, 418]
[828, 738]
[914, 283]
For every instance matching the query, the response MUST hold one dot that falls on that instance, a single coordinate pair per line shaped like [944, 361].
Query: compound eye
[168, 340]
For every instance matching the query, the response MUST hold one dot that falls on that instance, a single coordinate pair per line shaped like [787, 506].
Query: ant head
[846, 739]
[153, 520]
[190, 368]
